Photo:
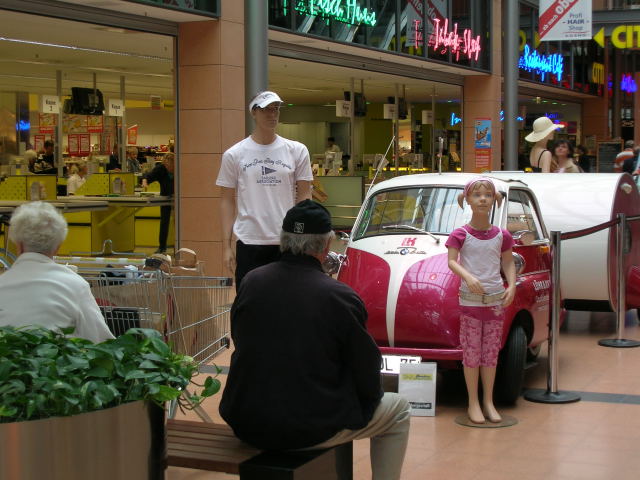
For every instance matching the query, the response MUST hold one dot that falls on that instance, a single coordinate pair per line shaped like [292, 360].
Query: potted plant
[75, 410]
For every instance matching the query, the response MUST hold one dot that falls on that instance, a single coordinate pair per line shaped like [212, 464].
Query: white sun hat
[542, 127]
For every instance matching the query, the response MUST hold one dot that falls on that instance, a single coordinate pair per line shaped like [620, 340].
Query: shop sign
[116, 107]
[389, 111]
[454, 120]
[518, 118]
[628, 84]
[597, 73]
[427, 117]
[94, 123]
[345, 11]
[532, 61]
[449, 40]
[343, 108]
[50, 104]
[565, 20]
[625, 36]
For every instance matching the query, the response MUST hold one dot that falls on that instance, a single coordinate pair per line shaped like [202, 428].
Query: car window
[434, 209]
[521, 214]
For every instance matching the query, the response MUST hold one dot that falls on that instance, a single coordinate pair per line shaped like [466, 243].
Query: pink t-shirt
[457, 237]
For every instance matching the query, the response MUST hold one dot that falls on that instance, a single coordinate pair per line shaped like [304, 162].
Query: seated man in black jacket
[305, 374]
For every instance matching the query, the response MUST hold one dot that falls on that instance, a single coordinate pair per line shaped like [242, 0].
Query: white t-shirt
[264, 177]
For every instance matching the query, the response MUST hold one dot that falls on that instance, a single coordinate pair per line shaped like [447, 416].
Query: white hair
[38, 226]
[305, 243]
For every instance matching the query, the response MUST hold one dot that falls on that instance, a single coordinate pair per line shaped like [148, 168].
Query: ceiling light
[84, 49]
[303, 89]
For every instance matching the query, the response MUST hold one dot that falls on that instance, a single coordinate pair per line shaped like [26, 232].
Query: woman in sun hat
[540, 158]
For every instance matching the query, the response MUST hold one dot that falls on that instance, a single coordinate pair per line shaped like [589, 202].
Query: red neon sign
[451, 41]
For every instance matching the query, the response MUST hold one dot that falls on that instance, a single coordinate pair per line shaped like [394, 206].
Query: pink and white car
[397, 262]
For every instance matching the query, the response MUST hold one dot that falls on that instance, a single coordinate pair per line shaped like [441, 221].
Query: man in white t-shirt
[261, 178]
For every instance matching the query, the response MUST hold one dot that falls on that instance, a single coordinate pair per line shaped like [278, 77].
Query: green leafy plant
[44, 374]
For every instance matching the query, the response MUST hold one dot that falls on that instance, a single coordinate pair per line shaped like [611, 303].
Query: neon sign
[454, 120]
[446, 40]
[345, 11]
[23, 125]
[532, 61]
[518, 118]
[628, 84]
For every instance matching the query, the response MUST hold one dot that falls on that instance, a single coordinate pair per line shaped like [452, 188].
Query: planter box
[126, 442]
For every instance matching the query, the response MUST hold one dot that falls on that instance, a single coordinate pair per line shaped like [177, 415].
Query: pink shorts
[480, 335]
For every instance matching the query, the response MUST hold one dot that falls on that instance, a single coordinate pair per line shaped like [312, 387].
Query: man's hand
[229, 259]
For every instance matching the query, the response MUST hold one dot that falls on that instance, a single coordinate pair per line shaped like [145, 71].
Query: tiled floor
[597, 438]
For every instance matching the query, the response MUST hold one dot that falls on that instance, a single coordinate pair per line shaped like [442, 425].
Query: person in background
[30, 158]
[77, 178]
[162, 173]
[562, 151]
[38, 291]
[261, 177]
[332, 147]
[114, 164]
[624, 155]
[540, 158]
[583, 159]
[45, 163]
[133, 165]
[328, 386]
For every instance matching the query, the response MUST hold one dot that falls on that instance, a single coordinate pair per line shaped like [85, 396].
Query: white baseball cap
[263, 99]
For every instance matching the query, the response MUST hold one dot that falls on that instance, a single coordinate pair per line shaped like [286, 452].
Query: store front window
[82, 97]
[577, 65]
[454, 32]
[201, 7]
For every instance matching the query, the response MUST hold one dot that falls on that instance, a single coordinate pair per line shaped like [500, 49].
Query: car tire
[511, 363]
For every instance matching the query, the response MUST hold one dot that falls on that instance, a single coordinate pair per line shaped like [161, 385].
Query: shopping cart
[191, 311]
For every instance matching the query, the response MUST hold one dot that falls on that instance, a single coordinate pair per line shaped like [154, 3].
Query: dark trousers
[249, 257]
[165, 218]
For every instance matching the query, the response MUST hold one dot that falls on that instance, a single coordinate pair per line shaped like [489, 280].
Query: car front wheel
[511, 363]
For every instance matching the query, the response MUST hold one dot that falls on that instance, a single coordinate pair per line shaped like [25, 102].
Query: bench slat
[205, 446]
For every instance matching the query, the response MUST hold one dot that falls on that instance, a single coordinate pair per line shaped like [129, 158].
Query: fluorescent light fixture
[301, 89]
[84, 49]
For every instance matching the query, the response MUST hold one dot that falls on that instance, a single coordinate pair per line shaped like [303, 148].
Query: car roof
[457, 179]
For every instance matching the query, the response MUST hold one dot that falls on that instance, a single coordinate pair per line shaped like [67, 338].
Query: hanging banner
[74, 145]
[50, 104]
[94, 124]
[482, 144]
[116, 107]
[565, 20]
[47, 122]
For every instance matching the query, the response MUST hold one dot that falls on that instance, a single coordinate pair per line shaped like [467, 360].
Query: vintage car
[396, 260]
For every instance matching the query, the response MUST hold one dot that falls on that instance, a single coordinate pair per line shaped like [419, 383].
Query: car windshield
[420, 210]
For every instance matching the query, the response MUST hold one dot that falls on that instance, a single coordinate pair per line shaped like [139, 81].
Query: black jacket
[161, 175]
[304, 367]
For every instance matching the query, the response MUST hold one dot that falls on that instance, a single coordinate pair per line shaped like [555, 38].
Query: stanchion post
[620, 341]
[552, 395]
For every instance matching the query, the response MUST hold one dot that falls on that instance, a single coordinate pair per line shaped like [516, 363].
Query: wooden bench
[214, 447]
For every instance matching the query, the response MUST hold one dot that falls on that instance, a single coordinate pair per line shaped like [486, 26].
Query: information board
[606, 155]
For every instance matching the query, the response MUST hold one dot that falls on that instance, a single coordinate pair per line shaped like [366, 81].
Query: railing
[552, 394]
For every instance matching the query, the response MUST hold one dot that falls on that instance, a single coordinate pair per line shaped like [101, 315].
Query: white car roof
[457, 179]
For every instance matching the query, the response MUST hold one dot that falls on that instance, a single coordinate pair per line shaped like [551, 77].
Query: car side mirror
[523, 237]
[332, 262]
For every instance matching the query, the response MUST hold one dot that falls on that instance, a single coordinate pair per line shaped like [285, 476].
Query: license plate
[391, 363]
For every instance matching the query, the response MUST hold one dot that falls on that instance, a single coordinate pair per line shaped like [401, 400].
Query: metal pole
[256, 52]
[122, 133]
[396, 131]
[552, 395]
[511, 49]
[433, 129]
[58, 141]
[352, 119]
[620, 341]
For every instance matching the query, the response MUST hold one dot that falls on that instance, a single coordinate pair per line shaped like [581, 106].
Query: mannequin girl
[477, 250]
[540, 158]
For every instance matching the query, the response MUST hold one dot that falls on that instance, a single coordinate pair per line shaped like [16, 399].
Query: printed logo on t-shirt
[271, 175]
[267, 170]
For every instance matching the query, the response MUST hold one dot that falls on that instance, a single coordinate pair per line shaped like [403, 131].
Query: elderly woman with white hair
[38, 291]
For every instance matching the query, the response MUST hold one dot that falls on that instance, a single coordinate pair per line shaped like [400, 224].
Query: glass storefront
[457, 31]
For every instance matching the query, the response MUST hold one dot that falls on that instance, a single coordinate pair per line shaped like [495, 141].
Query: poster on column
[565, 20]
[482, 144]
